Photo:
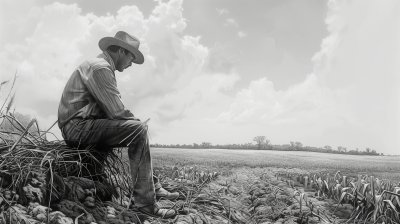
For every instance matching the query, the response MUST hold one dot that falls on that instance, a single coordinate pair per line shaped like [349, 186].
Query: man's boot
[161, 193]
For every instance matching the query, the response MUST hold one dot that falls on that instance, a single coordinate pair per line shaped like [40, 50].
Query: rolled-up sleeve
[103, 87]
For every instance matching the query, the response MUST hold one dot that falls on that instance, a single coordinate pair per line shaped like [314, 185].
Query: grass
[384, 167]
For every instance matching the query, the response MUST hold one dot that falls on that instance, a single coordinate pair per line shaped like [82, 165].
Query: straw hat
[125, 41]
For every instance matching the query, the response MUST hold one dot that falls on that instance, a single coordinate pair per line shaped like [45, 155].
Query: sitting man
[91, 112]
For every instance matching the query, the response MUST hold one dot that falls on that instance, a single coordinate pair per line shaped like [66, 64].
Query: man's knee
[139, 139]
[138, 131]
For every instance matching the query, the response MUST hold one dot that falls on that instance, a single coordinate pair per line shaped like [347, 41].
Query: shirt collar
[106, 56]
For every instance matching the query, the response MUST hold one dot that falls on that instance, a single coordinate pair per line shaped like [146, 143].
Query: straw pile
[38, 176]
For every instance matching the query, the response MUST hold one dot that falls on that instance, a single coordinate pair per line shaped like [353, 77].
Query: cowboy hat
[125, 41]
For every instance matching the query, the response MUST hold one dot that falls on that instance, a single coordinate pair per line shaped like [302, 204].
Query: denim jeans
[120, 133]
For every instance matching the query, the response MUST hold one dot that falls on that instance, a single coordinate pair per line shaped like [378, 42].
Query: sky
[313, 71]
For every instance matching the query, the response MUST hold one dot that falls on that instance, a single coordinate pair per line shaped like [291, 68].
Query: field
[52, 183]
[289, 187]
[383, 167]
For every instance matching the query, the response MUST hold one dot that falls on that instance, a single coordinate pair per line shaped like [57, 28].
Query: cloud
[218, 61]
[167, 87]
[351, 98]
[231, 22]
[303, 104]
[222, 11]
[242, 34]
[20, 17]
[163, 118]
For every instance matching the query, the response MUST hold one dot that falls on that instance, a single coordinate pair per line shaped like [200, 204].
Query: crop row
[372, 199]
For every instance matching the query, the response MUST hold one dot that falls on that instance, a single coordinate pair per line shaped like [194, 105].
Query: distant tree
[205, 145]
[263, 143]
[267, 144]
[259, 140]
[298, 145]
[249, 145]
[328, 149]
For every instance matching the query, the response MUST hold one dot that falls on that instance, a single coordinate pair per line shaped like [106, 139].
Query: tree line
[262, 143]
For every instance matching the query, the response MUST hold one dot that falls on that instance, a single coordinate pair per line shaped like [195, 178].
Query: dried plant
[10, 102]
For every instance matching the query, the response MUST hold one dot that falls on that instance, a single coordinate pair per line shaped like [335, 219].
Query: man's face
[125, 61]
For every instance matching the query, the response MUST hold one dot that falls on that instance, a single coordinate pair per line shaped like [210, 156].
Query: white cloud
[242, 34]
[222, 11]
[301, 105]
[231, 22]
[352, 99]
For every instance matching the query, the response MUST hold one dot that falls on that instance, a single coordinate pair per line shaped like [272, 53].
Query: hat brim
[105, 42]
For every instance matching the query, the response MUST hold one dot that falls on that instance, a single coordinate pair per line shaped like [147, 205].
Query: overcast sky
[318, 72]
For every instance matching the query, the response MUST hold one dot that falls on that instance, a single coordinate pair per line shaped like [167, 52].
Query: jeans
[120, 133]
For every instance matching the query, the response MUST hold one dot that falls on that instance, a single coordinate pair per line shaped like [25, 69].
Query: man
[91, 112]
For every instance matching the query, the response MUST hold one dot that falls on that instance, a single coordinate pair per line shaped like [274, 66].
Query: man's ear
[120, 51]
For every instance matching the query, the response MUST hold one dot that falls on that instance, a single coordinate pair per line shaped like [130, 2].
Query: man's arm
[103, 87]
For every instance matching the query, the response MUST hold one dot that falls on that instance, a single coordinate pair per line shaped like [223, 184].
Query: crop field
[292, 187]
[384, 167]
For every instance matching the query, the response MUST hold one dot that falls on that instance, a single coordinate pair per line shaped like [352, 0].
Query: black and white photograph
[199, 111]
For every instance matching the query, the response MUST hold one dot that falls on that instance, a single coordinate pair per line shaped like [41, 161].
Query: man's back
[77, 100]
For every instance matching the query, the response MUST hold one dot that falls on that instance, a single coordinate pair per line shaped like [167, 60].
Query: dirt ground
[258, 195]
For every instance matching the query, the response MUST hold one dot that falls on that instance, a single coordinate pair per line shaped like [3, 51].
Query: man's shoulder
[96, 63]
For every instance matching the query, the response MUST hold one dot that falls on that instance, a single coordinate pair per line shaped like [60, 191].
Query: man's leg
[120, 133]
[141, 168]
[157, 184]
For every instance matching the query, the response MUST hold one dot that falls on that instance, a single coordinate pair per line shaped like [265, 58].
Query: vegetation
[365, 190]
[384, 167]
[262, 143]
[372, 199]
